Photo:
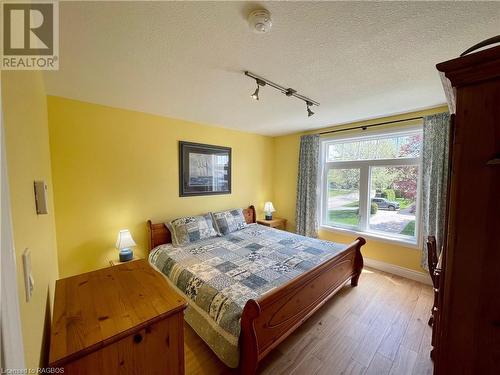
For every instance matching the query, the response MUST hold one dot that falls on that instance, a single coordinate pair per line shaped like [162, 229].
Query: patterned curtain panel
[435, 178]
[307, 186]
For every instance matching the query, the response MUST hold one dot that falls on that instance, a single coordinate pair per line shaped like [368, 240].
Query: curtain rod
[364, 127]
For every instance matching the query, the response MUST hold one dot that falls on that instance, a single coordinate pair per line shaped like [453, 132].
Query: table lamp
[124, 243]
[269, 209]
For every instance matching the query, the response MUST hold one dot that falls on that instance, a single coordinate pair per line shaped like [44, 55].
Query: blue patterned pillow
[229, 221]
[186, 230]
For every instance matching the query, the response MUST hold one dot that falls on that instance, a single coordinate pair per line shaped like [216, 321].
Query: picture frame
[204, 169]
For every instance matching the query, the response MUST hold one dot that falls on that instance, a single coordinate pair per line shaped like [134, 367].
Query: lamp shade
[124, 240]
[268, 207]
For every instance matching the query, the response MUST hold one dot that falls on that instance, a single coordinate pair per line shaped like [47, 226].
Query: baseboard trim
[397, 270]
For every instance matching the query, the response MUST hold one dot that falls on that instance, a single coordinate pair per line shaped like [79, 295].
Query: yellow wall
[114, 169]
[286, 151]
[28, 159]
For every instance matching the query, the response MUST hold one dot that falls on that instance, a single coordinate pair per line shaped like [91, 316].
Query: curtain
[435, 178]
[307, 186]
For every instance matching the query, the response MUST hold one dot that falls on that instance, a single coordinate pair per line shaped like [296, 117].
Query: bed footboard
[266, 322]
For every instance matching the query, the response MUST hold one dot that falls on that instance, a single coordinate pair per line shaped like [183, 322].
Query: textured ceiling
[186, 59]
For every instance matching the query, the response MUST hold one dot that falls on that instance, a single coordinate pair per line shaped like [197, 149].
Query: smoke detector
[260, 21]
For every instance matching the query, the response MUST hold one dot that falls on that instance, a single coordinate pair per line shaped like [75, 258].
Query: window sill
[373, 236]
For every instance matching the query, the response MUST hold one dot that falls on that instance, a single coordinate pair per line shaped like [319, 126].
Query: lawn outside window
[370, 184]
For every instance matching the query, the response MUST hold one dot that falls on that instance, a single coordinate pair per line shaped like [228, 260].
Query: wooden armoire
[467, 326]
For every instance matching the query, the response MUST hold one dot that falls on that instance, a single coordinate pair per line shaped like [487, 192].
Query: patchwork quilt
[219, 275]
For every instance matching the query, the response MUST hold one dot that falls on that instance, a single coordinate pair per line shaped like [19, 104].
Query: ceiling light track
[287, 91]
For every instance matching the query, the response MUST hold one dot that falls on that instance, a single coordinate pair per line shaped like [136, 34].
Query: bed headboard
[159, 233]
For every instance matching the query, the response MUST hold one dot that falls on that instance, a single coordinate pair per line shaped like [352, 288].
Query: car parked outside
[385, 204]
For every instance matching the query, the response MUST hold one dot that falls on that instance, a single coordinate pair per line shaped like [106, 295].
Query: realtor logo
[30, 36]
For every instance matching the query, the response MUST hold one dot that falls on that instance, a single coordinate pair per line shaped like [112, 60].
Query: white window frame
[364, 186]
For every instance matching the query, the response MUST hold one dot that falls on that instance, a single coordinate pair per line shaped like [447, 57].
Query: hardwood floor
[379, 327]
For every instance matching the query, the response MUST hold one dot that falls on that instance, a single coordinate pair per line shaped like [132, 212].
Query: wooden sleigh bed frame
[267, 321]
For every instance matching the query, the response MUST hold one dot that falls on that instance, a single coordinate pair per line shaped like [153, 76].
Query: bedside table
[118, 320]
[276, 222]
[116, 261]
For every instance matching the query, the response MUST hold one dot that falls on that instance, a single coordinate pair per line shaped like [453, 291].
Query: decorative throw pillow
[186, 230]
[229, 221]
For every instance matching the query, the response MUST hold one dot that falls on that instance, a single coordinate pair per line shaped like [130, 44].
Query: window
[371, 184]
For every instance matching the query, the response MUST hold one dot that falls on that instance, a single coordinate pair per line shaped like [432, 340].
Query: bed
[250, 289]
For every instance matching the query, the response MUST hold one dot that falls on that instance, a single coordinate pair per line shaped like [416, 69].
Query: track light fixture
[287, 91]
[309, 112]
[255, 95]
[259, 83]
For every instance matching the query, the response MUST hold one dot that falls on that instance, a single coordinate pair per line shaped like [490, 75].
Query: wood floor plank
[339, 357]
[425, 344]
[404, 362]
[354, 368]
[294, 357]
[391, 341]
[369, 344]
[310, 365]
[418, 323]
[361, 299]
[380, 327]
[343, 302]
[423, 365]
[379, 365]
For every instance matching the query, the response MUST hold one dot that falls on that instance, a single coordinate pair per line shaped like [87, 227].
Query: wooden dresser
[124, 319]
[467, 333]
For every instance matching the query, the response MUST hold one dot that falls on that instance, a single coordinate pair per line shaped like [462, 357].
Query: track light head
[309, 112]
[255, 95]
[259, 83]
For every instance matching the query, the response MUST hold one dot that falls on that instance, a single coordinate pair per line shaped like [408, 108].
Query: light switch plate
[29, 283]
[41, 197]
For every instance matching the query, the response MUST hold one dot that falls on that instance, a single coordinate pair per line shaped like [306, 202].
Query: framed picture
[204, 169]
